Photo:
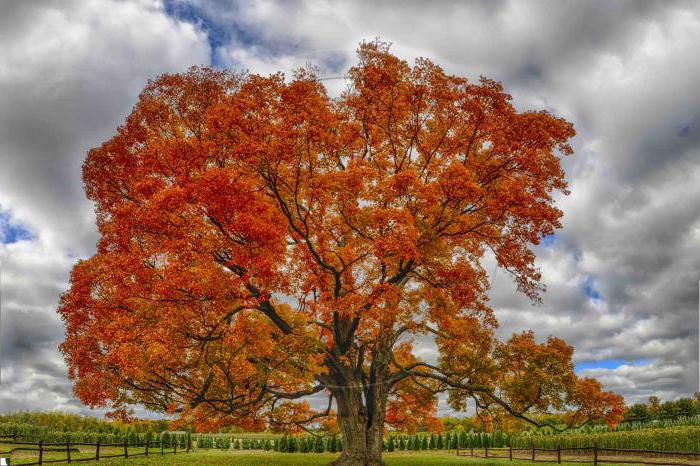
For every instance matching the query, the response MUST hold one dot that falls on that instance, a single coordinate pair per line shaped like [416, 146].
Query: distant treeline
[64, 422]
[654, 410]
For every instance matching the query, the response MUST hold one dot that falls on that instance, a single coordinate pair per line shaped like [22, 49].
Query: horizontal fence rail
[99, 450]
[70, 452]
[588, 455]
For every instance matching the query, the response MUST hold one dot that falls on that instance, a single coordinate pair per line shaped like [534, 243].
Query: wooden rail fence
[592, 454]
[101, 450]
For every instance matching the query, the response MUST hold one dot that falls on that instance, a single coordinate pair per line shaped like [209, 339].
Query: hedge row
[32, 433]
[310, 444]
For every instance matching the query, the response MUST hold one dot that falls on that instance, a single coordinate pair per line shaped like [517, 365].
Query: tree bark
[361, 403]
[362, 435]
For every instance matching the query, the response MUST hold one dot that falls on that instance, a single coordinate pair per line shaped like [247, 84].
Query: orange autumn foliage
[592, 402]
[261, 242]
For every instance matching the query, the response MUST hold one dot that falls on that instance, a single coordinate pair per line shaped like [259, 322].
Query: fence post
[41, 451]
[161, 444]
[175, 452]
[559, 454]
[510, 452]
[126, 450]
[533, 452]
[97, 450]
[189, 441]
[486, 452]
[148, 442]
[68, 450]
[595, 454]
[472, 451]
[457, 447]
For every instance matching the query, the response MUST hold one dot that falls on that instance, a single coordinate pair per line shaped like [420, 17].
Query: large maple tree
[262, 242]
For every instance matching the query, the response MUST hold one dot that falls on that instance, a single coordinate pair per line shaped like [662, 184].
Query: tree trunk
[362, 437]
[361, 412]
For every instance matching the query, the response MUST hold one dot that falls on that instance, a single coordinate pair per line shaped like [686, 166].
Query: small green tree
[685, 407]
[319, 446]
[668, 410]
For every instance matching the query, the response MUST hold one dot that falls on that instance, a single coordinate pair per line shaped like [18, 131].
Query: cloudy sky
[622, 275]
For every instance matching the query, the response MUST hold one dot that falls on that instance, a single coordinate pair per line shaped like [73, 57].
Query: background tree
[638, 413]
[261, 242]
[685, 407]
[654, 405]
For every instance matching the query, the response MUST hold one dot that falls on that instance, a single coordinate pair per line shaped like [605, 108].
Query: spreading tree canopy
[261, 242]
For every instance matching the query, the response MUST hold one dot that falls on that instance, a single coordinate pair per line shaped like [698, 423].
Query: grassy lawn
[20, 456]
[256, 458]
[263, 458]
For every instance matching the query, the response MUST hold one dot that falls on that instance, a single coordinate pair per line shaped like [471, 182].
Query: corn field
[686, 438]
[623, 427]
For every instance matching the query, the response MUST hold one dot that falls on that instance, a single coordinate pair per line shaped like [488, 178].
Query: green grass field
[263, 458]
[270, 458]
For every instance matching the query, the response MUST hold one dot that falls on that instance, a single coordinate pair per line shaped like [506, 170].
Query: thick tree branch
[475, 389]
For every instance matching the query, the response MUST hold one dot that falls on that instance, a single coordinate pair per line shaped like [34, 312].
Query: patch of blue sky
[222, 29]
[549, 240]
[588, 288]
[11, 231]
[217, 35]
[608, 364]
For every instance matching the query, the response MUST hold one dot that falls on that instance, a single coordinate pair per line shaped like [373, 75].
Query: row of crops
[33, 433]
[670, 438]
[393, 442]
[64, 422]
[624, 427]
[448, 441]
[685, 438]
[678, 438]
[659, 424]
[282, 444]
[224, 442]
